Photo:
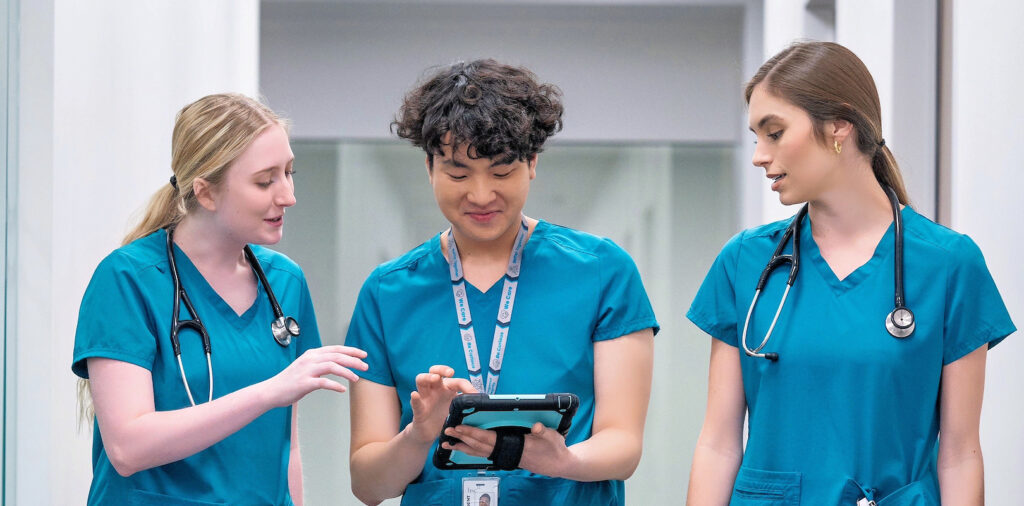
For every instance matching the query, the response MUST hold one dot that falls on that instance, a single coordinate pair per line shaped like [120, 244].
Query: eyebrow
[270, 169]
[453, 163]
[456, 163]
[764, 120]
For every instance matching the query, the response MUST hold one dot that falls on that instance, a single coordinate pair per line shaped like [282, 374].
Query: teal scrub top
[574, 289]
[848, 411]
[126, 315]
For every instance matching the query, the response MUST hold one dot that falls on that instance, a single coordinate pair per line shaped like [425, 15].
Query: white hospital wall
[986, 205]
[99, 83]
[340, 69]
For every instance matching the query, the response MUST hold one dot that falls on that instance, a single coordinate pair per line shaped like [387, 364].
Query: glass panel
[8, 91]
[7, 20]
[670, 206]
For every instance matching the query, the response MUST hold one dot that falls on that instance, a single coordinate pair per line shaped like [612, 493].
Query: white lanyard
[508, 299]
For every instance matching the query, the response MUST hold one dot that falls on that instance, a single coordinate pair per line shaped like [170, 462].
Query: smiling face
[800, 165]
[483, 199]
[249, 204]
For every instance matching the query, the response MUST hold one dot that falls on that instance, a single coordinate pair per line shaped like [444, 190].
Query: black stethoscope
[283, 327]
[899, 322]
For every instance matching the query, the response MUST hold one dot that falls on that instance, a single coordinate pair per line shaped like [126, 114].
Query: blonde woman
[197, 345]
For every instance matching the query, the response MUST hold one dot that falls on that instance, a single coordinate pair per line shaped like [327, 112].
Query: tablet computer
[491, 411]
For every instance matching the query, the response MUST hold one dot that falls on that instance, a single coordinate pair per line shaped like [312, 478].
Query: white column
[783, 24]
[748, 187]
[100, 85]
[866, 28]
[986, 188]
[898, 43]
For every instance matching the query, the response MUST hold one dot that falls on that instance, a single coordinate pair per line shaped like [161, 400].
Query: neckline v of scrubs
[437, 246]
[883, 251]
[200, 290]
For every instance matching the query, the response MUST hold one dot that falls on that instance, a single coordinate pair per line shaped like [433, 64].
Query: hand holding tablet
[511, 417]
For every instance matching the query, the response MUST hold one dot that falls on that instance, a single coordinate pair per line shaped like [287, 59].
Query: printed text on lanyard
[508, 298]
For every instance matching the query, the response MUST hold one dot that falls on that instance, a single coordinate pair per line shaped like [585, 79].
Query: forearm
[611, 454]
[295, 461]
[960, 465]
[161, 437]
[382, 470]
[962, 476]
[712, 475]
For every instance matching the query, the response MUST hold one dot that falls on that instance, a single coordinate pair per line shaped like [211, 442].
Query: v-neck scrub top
[848, 409]
[574, 289]
[126, 315]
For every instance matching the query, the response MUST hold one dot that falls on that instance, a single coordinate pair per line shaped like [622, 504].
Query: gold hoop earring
[838, 147]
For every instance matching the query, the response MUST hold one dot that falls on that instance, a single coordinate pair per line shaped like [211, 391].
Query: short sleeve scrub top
[848, 411]
[126, 315]
[574, 289]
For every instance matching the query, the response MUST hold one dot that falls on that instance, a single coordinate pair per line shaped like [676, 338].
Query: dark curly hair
[498, 111]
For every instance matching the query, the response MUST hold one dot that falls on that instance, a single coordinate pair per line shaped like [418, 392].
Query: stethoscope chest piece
[284, 328]
[900, 322]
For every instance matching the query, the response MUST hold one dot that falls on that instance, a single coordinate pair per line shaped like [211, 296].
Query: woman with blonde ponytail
[868, 344]
[197, 427]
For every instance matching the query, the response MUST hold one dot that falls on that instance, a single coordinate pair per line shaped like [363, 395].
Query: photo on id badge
[480, 491]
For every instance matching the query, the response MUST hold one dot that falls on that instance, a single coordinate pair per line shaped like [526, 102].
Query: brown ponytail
[830, 83]
[887, 172]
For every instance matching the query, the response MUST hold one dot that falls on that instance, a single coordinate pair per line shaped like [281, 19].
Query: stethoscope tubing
[283, 328]
[897, 225]
[894, 327]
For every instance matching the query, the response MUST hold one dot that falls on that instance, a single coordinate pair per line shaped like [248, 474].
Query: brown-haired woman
[867, 343]
[214, 423]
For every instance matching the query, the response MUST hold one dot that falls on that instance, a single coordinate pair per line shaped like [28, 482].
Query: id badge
[480, 491]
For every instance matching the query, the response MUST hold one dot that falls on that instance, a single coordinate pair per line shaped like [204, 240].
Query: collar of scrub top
[508, 297]
[899, 322]
[283, 327]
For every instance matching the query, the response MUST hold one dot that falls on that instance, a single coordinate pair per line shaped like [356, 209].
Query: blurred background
[655, 154]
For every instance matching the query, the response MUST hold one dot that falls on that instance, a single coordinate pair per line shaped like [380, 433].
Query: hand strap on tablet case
[508, 447]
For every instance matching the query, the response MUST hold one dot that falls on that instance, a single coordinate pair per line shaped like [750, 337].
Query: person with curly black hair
[582, 322]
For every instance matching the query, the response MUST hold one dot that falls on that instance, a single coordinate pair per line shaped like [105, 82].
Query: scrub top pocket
[757, 487]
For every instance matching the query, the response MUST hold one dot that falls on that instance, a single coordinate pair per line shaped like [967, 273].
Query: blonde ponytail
[164, 209]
